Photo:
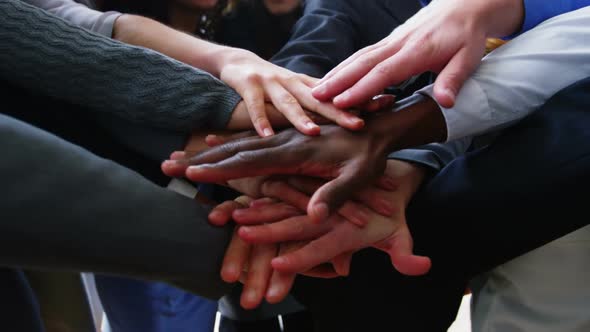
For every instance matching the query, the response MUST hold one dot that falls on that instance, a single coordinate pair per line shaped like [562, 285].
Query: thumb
[453, 76]
[399, 247]
[332, 195]
[341, 264]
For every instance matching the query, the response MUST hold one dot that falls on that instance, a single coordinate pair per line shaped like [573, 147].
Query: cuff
[227, 103]
[435, 155]
[106, 23]
[425, 158]
[470, 113]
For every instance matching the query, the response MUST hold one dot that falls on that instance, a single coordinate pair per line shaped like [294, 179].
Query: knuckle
[367, 61]
[228, 148]
[308, 79]
[252, 78]
[384, 69]
[297, 230]
[271, 76]
[424, 45]
[288, 99]
[246, 156]
[259, 119]
[292, 79]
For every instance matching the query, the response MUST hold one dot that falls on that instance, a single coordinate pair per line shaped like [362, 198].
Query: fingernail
[311, 125]
[341, 98]
[238, 212]
[229, 273]
[193, 172]
[244, 231]
[386, 97]
[357, 122]
[169, 163]
[320, 89]
[321, 211]
[273, 292]
[449, 93]
[178, 155]
[278, 261]
[385, 207]
[267, 132]
[251, 296]
[214, 215]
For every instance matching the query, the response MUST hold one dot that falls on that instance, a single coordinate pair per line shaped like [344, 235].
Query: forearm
[43, 53]
[145, 32]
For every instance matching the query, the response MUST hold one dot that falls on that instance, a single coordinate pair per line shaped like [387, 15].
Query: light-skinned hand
[447, 37]
[260, 82]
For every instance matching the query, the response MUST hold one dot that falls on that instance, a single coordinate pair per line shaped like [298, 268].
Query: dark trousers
[19, 310]
[494, 204]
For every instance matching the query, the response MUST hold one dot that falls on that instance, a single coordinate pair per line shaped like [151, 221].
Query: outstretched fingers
[258, 276]
[229, 161]
[316, 252]
[292, 229]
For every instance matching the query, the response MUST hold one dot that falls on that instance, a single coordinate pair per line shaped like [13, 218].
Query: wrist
[211, 58]
[222, 56]
[501, 17]
[413, 122]
[411, 175]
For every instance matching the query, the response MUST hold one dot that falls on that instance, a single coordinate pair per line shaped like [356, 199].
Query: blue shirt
[537, 11]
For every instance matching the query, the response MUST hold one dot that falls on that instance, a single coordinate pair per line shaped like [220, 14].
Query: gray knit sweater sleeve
[42, 52]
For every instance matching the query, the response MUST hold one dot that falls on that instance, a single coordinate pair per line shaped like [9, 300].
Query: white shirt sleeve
[520, 76]
[80, 14]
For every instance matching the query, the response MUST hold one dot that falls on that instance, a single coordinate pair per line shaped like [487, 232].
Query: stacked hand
[268, 89]
[350, 160]
[293, 153]
[277, 240]
[446, 36]
[374, 217]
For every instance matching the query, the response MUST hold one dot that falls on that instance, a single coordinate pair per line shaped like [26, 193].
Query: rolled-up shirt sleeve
[79, 14]
[520, 76]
